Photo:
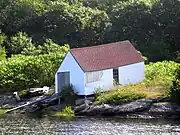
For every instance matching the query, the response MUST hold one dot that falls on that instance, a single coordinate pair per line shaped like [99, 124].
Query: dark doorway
[63, 80]
[116, 75]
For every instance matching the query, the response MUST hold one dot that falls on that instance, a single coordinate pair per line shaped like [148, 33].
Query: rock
[80, 108]
[105, 109]
[164, 108]
[7, 99]
[79, 101]
[90, 98]
[160, 99]
[136, 106]
[83, 101]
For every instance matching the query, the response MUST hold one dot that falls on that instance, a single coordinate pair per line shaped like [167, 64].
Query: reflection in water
[87, 126]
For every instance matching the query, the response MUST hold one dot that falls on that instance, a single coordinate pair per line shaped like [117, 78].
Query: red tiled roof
[106, 56]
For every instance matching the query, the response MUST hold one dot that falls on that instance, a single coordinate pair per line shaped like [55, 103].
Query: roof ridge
[100, 45]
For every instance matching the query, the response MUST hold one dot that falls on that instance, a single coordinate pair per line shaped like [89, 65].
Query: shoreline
[156, 108]
[142, 108]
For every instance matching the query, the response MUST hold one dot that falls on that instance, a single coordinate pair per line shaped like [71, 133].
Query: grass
[157, 83]
[24, 93]
[2, 112]
[67, 112]
[50, 92]
[119, 96]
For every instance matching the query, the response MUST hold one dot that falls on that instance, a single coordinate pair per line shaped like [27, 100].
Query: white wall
[105, 82]
[76, 73]
[131, 74]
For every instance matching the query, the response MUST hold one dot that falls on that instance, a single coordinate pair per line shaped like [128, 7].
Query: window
[93, 76]
[116, 75]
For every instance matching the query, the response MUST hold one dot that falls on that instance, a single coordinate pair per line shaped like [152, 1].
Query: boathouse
[90, 68]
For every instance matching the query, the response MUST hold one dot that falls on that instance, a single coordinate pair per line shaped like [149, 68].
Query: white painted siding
[131, 74]
[105, 82]
[76, 73]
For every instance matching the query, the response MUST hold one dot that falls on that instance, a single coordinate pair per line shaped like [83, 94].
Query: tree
[175, 90]
[2, 53]
[2, 49]
[18, 42]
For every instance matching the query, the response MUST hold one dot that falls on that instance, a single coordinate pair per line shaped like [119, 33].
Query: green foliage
[98, 92]
[2, 49]
[175, 89]
[24, 93]
[3, 112]
[157, 83]
[66, 112]
[2, 53]
[2, 39]
[161, 73]
[18, 42]
[49, 46]
[20, 72]
[178, 57]
[68, 95]
[152, 25]
[119, 96]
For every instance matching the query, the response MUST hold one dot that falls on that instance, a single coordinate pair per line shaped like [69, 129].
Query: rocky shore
[143, 108]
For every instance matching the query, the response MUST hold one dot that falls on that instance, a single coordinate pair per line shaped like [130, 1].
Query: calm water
[87, 126]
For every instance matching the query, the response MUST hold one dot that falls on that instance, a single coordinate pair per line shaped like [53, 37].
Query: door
[63, 80]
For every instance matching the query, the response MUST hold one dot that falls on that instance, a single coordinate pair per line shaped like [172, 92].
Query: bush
[24, 93]
[3, 112]
[158, 81]
[175, 89]
[66, 112]
[68, 95]
[21, 72]
[160, 73]
[2, 53]
[98, 92]
[18, 42]
[119, 96]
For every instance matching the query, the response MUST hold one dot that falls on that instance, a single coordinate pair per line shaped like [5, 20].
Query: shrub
[119, 96]
[98, 92]
[175, 89]
[18, 42]
[21, 72]
[24, 93]
[158, 81]
[2, 53]
[66, 112]
[160, 73]
[68, 95]
[2, 112]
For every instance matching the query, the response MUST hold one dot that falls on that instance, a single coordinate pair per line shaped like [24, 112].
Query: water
[86, 126]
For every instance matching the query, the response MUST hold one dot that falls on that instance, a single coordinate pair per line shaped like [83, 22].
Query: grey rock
[164, 108]
[80, 108]
[136, 106]
[79, 101]
[105, 109]
[90, 98]
[7, 99]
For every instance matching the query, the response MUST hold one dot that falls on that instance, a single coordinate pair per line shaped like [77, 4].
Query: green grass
[119, 96]
[3, 112]
[24, 93]
[157, 83]
[67, 112]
